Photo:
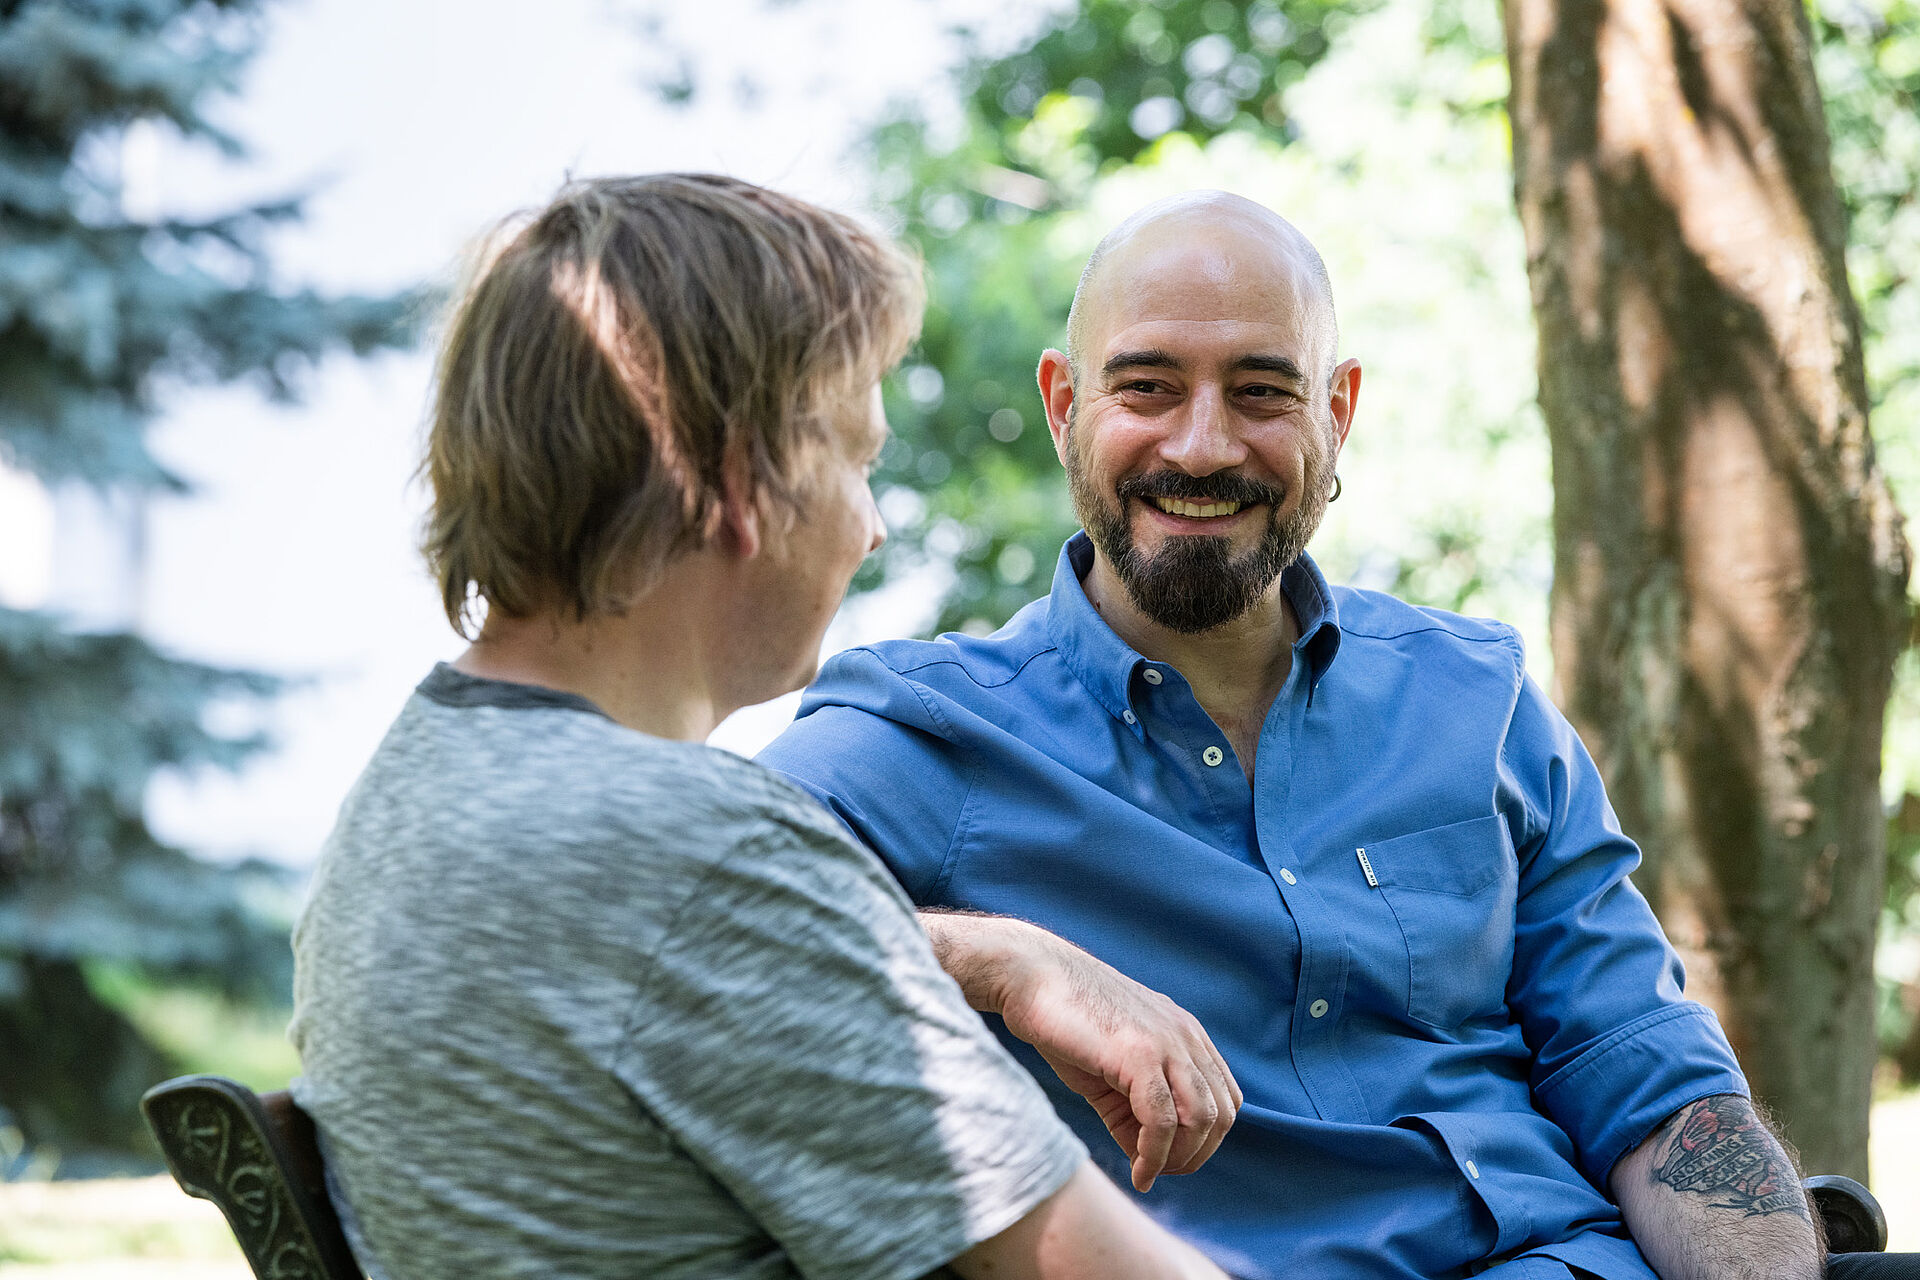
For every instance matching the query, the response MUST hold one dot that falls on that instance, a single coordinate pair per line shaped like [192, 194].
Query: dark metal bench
[256, 1157]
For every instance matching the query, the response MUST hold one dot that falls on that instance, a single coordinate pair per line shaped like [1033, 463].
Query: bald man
[1200, 823]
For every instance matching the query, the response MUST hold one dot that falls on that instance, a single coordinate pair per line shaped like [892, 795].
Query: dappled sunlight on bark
[1729, 565]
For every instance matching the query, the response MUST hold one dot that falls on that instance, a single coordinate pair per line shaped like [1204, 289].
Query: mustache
[1220, 487]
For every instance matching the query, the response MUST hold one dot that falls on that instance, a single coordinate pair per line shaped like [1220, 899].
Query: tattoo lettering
[1723, 1151]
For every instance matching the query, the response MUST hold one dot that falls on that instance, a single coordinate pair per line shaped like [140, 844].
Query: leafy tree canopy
[1398, 116]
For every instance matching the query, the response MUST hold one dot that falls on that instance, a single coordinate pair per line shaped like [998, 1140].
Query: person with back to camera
[575, 995]
[1349, 836]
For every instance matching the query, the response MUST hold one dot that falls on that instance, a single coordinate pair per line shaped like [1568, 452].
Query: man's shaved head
[1200, 406]
[1233, 223]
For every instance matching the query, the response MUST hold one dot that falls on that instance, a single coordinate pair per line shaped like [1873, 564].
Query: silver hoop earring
[1336, 488]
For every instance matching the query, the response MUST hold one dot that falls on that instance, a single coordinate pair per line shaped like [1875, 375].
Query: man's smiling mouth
[1196, 510]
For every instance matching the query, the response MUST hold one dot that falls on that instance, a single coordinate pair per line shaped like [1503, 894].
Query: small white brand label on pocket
[1367, 867]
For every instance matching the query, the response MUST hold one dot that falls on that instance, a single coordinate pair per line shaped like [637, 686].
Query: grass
[147, 1228]
[143, 1227]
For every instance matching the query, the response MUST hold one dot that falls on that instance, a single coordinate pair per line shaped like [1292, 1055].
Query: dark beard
[1196, 583]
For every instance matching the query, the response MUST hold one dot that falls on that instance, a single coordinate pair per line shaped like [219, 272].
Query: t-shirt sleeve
[797, 1038]
[1598, 990]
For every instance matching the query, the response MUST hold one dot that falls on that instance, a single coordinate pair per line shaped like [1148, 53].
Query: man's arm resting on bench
[1087, 1230]
[1712, 1195]
[1145, 1064]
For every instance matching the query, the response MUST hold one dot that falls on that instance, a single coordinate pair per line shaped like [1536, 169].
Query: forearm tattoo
[1723, 1151]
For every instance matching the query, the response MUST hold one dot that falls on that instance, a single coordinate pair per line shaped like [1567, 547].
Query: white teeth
[1197, 510]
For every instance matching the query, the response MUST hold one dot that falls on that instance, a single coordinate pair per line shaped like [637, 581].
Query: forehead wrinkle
[1246, 362]
[1226, 220]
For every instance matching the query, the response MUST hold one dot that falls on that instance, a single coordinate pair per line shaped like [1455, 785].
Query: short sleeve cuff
[998, 1197]
[1611, 1097]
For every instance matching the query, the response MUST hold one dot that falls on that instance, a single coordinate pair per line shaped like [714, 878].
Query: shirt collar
[1108, 666]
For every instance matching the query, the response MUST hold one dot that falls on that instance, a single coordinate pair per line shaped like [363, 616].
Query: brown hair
[619, 352]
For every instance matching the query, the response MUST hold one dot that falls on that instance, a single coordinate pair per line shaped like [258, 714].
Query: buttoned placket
[1321, 981]
[1189, 733]
[1324, 953]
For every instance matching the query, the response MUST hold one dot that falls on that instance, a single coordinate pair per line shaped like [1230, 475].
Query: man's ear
[1056, 397]
[740, 515]
[1343, 395]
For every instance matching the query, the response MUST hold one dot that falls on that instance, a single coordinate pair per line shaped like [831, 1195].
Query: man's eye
[1260, 391]
[1141, 385]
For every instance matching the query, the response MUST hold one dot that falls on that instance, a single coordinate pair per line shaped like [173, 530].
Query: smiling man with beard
[1218, 844]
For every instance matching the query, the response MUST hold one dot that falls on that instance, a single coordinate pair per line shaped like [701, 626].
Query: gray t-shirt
[572, 1001]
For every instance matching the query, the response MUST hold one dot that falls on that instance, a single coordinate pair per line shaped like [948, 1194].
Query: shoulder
[1375, 615]
[732, 802]
[1374, 619]
[1404, 664]
[916, 681]
[578, 785]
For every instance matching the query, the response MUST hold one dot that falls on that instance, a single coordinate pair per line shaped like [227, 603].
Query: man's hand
[1145, 1064]
[1712, 1195]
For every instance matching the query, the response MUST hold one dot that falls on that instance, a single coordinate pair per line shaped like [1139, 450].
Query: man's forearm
[981, 952]
[1712, 1195]
[1144, 1064]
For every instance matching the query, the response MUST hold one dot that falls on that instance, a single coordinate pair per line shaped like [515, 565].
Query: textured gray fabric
[571, 1001]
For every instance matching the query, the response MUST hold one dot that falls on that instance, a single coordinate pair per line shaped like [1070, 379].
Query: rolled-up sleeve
[1598, 991]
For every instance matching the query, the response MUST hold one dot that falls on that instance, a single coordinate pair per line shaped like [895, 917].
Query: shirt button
[1318, 1008]
[1152, 675]
[1286, 875]
[1128, 716]
[1473, 1170]
[1212, 756]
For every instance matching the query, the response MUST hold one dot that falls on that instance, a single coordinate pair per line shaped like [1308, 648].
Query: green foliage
[1868, 61]
[202, 1028]
[996, 207]
[969, 478]
[94, 306]
[1399, 117]
[101, 310]
[1149, 69]
[85, 720]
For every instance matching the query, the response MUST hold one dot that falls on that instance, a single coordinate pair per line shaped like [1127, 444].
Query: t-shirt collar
[1109, 667]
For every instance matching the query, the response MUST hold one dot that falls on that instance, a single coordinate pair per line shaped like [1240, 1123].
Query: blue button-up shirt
[1412, 936]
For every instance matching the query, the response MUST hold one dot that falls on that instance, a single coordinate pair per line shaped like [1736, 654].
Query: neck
[654, 668]
[1236, 669]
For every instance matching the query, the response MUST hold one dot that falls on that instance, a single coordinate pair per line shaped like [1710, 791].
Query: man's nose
[876, 525]
[1205, 439]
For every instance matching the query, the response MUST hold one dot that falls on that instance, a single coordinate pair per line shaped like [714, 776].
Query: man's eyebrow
[1156, 358]
[1268, 364]
[1145, 358]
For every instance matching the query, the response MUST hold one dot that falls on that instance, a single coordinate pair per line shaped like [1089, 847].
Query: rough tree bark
[1729, 565]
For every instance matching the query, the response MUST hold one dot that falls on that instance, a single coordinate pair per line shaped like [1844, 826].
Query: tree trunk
[72, 1070]
[1729, 566]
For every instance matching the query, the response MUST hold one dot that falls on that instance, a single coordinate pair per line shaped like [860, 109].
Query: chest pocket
[1453, 891]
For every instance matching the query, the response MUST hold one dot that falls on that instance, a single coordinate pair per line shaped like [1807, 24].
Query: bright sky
[419, 122]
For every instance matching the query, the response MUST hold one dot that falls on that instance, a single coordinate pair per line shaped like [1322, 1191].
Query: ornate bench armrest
[257, 1159]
